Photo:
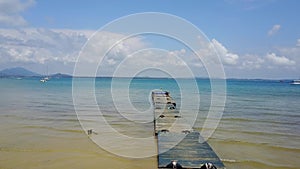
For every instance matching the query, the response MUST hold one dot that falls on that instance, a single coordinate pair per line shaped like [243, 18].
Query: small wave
[229, 160]
[237, 119]
[13, 116]
[233, 119]
[53, 119]
[16, 149]
[55, 129]
[71, 131]
[258, 133]
[267, 145]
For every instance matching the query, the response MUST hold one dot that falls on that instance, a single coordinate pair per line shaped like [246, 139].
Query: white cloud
[114, 46]
[40, 45]
[227, 57]
[293, 52]
[61, 47]
[170, 62]
[280, 60]
[129, 55]
[251, 62]
[10, 12]
[298, 43]
[274, 30]
[111, 61]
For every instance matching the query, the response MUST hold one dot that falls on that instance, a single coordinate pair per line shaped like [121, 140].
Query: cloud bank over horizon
[36, 47]
[271, 49]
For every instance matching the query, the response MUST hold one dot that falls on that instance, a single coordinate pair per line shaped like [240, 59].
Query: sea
[39, 126]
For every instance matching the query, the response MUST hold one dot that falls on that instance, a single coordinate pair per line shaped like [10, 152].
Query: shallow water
[39, 127]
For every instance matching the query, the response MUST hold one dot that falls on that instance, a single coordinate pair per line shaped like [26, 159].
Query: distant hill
[17, 72]
[60, 75]
[22, 72]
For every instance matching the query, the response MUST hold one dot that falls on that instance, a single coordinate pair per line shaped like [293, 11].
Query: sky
[253, 38]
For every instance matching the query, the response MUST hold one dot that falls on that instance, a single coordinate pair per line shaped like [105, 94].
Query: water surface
[39, 127]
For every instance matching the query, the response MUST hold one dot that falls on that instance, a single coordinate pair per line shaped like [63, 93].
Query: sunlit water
[39, 127]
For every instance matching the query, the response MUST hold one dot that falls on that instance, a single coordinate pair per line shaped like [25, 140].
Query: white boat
[296, 82]
[46, 78]
[43, 80]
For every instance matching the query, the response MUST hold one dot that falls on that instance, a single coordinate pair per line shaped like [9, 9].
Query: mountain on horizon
[22, 72]
[60, 75]
[18, 72]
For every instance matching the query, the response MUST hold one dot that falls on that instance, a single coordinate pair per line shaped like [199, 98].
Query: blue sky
[235, 21]
[264, 35]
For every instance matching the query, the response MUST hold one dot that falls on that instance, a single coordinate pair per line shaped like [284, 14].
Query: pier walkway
[178, 146]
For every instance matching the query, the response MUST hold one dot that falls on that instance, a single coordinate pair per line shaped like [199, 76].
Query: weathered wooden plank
[172, 124]
[189, 153]
[176, 141]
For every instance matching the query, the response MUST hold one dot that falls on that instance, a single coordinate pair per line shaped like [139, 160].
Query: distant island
[18, 72]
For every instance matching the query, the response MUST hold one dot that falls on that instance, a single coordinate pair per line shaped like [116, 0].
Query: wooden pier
[177, 143]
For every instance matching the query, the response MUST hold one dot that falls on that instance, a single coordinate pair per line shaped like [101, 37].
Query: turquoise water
[39, 127]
